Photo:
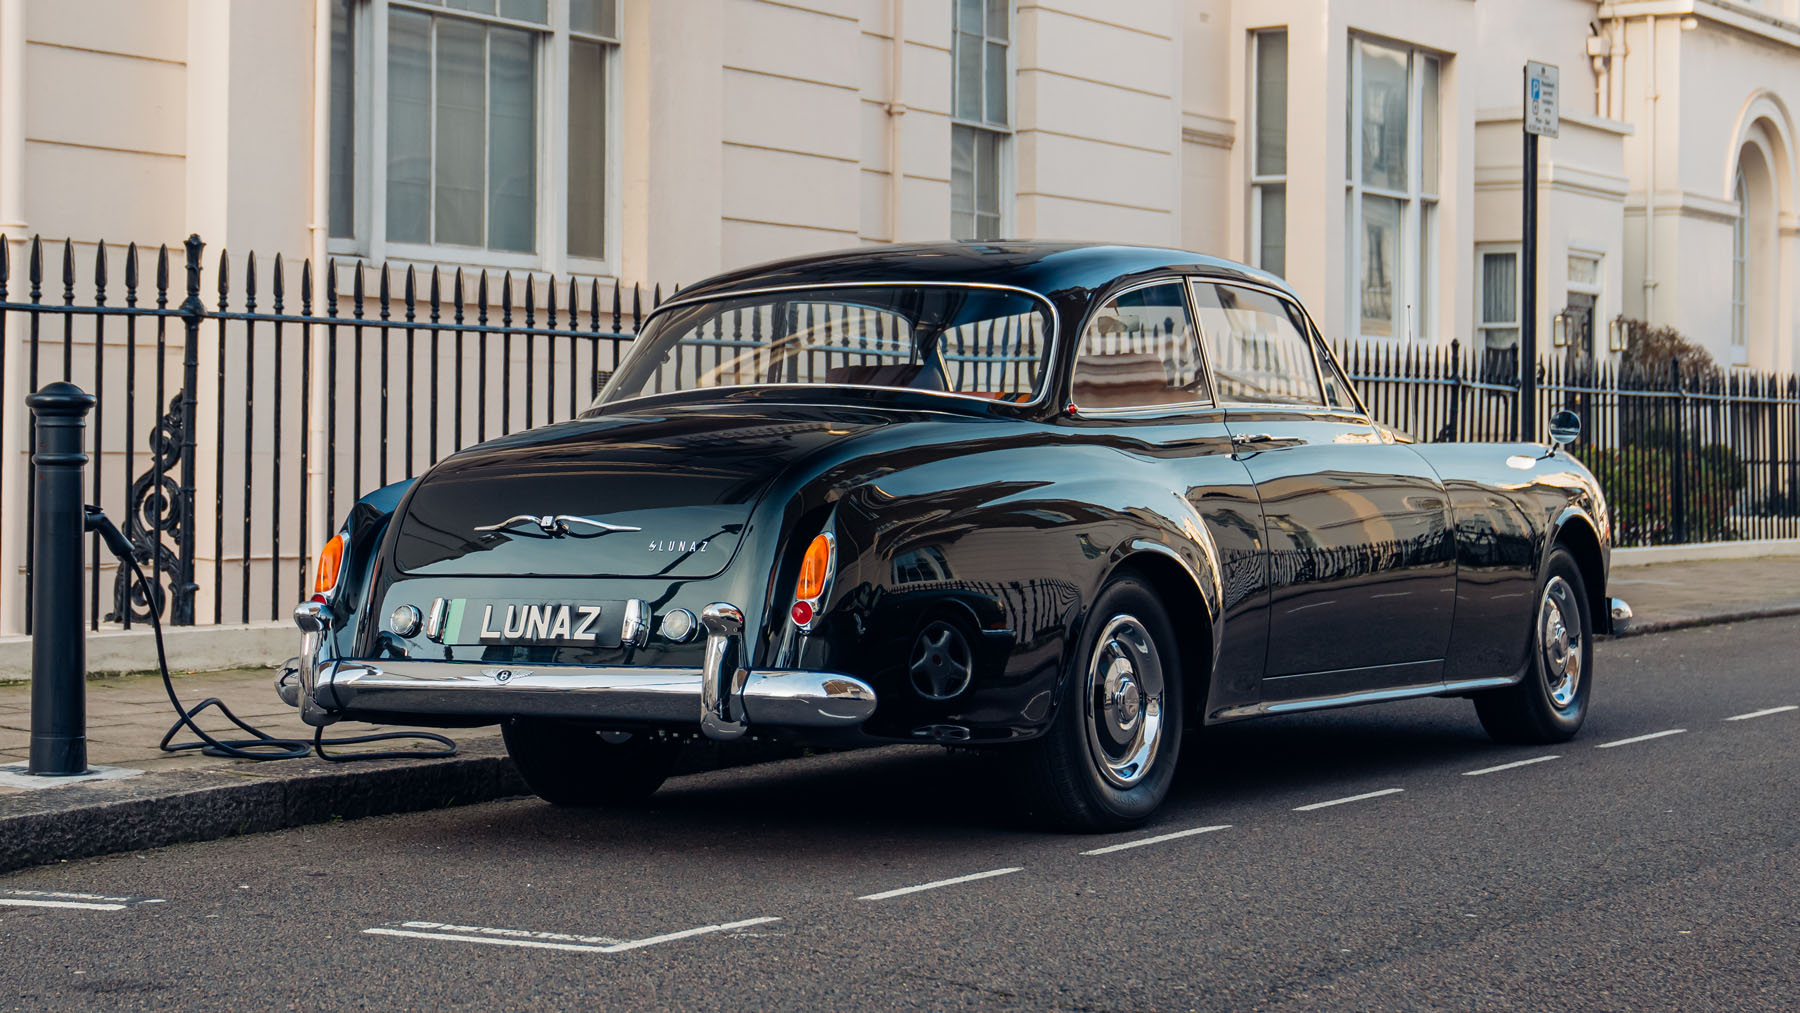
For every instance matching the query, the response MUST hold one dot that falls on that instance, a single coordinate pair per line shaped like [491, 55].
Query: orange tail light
[331, 559]
[815, 569]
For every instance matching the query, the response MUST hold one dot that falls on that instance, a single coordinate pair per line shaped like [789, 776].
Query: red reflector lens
[802, 613]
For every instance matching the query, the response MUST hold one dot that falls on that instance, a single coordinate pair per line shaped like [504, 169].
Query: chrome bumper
[723, 698]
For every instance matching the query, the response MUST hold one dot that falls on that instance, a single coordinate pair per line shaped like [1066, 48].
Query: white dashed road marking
[1641, 738]
[991, 873]
[546, 940]
[1509, 766]
[76, 901]
[1353, 798]
[1109, 849]
[1764, 713]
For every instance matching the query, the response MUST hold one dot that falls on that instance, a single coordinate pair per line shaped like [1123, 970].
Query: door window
[1139, 352]
[1257, 345]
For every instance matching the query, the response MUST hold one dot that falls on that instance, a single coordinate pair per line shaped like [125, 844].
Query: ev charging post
[1542, 118]
[58, 640]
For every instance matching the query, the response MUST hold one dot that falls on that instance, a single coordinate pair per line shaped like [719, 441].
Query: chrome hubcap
[1124, 701]
[1559, 641]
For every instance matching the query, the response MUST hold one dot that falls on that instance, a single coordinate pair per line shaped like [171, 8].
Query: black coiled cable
[263, 746]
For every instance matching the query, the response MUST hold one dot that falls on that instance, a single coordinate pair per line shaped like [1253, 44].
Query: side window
[1338, 392]
[1139, 351]
[1257, 347]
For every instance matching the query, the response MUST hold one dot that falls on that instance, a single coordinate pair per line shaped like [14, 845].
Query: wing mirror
[1565, 427]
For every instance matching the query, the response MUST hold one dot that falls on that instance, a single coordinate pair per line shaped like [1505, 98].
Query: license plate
[525, 621]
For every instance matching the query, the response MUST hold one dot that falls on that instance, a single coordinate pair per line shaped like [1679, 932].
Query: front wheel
[1551, 702]
[572, 766]
[1109, 756]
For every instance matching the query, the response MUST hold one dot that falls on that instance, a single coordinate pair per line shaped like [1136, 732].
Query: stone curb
[181, 806]
[1640, 627]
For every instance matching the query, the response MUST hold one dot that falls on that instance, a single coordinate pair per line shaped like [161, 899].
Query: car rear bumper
[723, 699]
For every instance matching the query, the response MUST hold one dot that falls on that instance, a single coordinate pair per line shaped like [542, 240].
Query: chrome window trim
[1187, 296]
[1041, 398]
[1287, 299]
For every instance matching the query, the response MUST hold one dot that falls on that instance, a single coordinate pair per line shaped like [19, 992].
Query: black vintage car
[1066, 501]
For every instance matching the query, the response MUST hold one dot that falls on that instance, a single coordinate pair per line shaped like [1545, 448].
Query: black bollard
[58, 642]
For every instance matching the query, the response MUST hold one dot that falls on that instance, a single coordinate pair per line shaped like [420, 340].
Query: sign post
[1542, 118]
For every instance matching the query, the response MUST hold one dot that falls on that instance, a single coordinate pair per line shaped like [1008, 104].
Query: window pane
[1381, 267]
[409, 128]
[997, 27]
[535, 11]
[1584, 270]
[996, 83]
[1271, 103]
[1272, 229]
[987, 172]
[512, 141]
[1427, 291]
[1337, 385]
[962, 225]
[1499, 288]
[967, 85]
[587, 149]
[461, 133]
[1258, 352]
[479, 6]
[962, 171]
[987, 226]
[1383, 116]
[1428, 124]
[343, 120]
[596, 17]
[968, 16]
[1139, 351]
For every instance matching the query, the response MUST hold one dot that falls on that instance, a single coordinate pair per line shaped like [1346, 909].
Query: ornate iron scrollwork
[157, 516]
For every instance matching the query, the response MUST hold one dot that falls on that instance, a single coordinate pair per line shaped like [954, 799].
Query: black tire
[1076, 775]
[567, 765]
[1543, 707]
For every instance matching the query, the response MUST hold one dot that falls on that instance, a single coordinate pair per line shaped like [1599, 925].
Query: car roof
[1053, 269]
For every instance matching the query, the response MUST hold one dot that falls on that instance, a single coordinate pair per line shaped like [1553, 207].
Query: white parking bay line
[1764, 713]
[1353, 798]
[1510, 766]
[1641, 738]
[546, 940]
[991, 873]
[75, 901]
[1177, 835]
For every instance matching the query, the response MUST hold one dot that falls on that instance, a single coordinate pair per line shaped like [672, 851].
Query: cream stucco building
[1367, 149]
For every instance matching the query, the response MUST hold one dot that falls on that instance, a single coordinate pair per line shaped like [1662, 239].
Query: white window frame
[1007, 181]
[369, 187]
[1259, 181]
[1420, 207]
[1482, 324]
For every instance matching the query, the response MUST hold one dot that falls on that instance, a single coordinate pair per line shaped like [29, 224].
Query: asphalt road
[1662, 873]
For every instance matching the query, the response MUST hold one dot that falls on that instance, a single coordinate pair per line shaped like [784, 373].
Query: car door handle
[1250, 439]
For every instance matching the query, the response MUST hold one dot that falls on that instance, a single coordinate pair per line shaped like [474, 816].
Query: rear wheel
[567, 765]
[1109, 756]
[1551, 702]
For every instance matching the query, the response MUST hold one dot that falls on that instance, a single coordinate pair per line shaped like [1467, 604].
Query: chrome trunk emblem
[557, 525]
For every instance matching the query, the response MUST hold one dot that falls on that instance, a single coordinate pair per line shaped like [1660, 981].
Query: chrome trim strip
[1618, 609]
[664, 696]
[1041, 397]
[634, 627]
[1369, 696]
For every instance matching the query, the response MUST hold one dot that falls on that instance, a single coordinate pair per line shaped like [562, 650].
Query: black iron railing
[1683, 456]
[236, 423]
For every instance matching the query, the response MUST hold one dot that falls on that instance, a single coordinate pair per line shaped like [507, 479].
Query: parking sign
[1541, 116]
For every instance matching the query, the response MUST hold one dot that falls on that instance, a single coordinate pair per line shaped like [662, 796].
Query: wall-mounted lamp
[1615, 334]
[1559, 330]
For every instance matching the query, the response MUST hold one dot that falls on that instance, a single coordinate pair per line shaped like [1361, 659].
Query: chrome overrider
[726, 698]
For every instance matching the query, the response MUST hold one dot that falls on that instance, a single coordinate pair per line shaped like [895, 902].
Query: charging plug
[95, 519]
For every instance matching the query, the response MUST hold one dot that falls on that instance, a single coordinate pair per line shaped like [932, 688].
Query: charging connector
[262, 746]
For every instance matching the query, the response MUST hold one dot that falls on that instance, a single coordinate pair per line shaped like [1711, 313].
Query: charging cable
[263, 746]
